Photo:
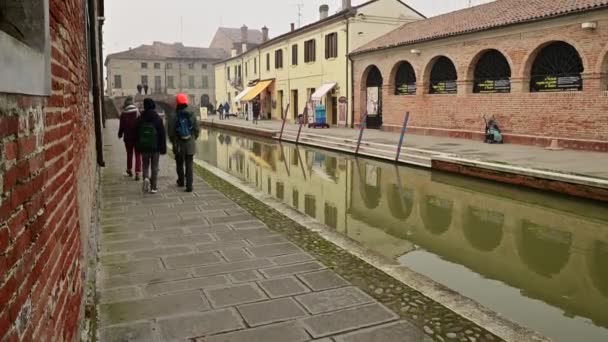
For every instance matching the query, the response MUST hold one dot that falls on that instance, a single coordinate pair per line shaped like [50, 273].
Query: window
[331, 45]
[204, 66]
[144, 80]
[405, 79]
[310, 51]
[557, 67]
[240, 74]
[170, 82]
[156, 65]
[27, 23]
[268, 62]
[310, 206]
[169, 66]
[205, 83]
[492, 74]
[255, 66]
[118, 81]
[144, 65]
[443, 77]
[280, 188]
[294, 54]
[191, 82]
[228, 72]
[246, 71]
[295, 198]
[278, 59]
[331, 216]
[191, 66]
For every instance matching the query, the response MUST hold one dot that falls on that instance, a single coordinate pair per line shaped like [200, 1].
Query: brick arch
[526, 66]
[366, 72]
[470, 68]
[430, 63]
[390, 83]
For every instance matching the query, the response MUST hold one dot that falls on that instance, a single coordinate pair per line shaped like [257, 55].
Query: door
[280, 107]
[334, 110]
[374, 98]
[294, 101]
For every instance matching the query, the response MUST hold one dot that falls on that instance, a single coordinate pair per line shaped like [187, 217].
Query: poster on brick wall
[406, 89]
[444, 87]
[492, 86]
[372, 101]
[556, 83]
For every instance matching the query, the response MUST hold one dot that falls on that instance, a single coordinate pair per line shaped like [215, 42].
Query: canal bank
[576, 173]
[534, 258]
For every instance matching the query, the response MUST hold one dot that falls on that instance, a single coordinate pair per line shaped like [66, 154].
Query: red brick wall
[578, 119]
[47, 168]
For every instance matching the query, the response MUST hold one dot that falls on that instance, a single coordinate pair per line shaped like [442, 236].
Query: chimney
[264, 34]
[244, 34]
[293, 27]
[323, 12]
[233, 52]
[346, 4]
[244, 47]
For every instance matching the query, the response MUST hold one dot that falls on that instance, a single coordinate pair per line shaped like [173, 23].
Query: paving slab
[149, 308]
[161, 251]
[292, 259]
[189, 260]
[186, 285]
[119, 295]
[245, 276]
[232, 267]
[322, 280]
[332, 300]
[291, 269]
[395, 332]
[217, 246]
[186, 239]
[272, 311]
[234, 295]
[139, 332]
[157, 277]
[283, 332]
[132, 267]
[202, 324]
[349, 319]
[274, 250]
[283, 287]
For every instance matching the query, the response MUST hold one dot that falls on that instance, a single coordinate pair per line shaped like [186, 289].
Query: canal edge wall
[552, 181]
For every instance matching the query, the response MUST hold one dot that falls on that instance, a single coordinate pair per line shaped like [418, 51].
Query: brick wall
[47, 185]
[577, 119]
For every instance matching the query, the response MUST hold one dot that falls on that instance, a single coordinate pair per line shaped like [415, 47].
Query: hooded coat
[128, 120]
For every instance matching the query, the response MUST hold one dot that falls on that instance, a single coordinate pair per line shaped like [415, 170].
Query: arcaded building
[539, 67]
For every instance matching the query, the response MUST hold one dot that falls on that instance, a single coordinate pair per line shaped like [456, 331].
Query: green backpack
[148, 137]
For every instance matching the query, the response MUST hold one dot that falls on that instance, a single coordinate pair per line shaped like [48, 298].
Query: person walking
[256, 111]
[220, 111]
[227, 110]
[151, 143]
[183, 130]
[126, 131]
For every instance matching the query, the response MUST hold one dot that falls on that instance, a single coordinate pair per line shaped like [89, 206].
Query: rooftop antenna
[181, 29]
[300, 7]
[470, 3]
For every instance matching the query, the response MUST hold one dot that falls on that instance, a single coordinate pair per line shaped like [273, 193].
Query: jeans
[131, 152]
[180, 160]
[151, 162]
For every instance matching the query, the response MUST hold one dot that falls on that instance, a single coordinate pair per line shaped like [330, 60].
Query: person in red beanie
[183, 130]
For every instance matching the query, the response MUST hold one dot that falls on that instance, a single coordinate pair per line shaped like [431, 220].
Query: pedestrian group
[145, 139]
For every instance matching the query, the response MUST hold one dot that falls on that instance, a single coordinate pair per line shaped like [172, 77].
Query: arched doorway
[405, 79]
[205, 102]
[437, 214]
[443, 77]
[557, 67]
[373, 92]
[543, 249]
[492, 73]
[483, 228]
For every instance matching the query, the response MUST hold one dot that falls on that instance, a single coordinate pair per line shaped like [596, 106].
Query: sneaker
[137, 177]
[129, 173]
[146, 185]
[180, 184]
[189, 190]
[153, 191]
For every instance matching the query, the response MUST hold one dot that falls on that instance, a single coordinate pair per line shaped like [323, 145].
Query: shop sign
[444, 87]
[557, 83]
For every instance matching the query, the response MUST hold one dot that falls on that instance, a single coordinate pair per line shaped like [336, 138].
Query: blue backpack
[184, 126]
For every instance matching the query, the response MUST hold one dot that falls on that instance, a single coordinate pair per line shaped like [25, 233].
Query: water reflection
[553, 251]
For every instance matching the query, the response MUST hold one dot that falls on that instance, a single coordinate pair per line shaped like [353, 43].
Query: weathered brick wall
[47, 186]
[577, 119]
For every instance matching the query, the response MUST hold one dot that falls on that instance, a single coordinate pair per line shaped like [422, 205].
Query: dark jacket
[183, 147]
[152, 116]
[128, 119]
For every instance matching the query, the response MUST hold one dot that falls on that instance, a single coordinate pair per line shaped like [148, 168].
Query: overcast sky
[130, 23]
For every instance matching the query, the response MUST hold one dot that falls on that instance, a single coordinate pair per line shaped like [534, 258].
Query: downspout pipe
[97, 99]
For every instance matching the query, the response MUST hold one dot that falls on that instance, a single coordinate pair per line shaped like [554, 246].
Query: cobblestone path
[197, 267]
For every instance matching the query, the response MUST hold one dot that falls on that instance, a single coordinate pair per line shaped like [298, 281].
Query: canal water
[539, 259]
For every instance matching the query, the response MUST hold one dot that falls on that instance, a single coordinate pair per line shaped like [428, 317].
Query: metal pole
[403, 129]
[284, 120]
[363, 124]
[301, 123]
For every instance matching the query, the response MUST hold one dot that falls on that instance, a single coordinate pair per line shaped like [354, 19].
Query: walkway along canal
[538, 259]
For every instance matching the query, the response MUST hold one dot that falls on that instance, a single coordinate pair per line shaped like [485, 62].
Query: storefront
[323, 99]
[254, 95]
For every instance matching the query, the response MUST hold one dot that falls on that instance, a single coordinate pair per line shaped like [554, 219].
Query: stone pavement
[197, 267]
[590, 164]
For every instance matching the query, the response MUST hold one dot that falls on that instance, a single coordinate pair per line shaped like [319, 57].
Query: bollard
[284, 120]
[363, 125]
[403, 129]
